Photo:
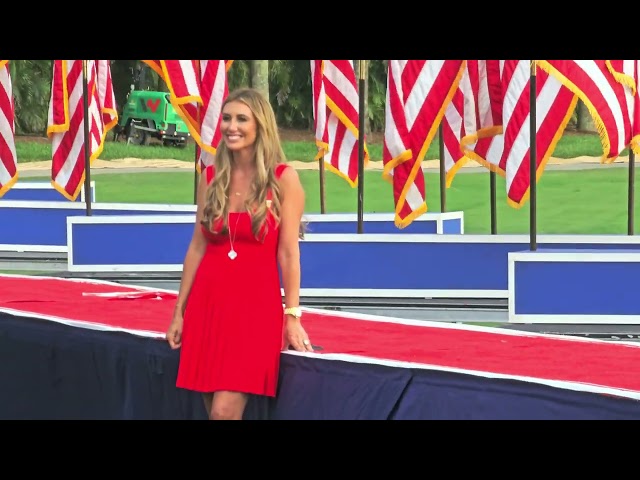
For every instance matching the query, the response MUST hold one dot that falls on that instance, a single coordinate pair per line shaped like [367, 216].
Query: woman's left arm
[291, 211]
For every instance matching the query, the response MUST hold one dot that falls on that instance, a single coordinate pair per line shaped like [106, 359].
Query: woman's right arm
[195, 252]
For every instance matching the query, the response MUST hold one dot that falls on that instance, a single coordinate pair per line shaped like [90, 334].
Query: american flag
[197, 89]
[336, 117]
[554, 107]
[418, 93]
[608, 89]
[474, 118]
[66, 120]
[8, 157]
[214, 88]
[181, 77]
[319, 105]
[635, 139]
[502, 144]
[106, 97]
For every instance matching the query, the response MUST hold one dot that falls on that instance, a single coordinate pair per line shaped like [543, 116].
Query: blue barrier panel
[574, 286]
[424, 265]
[131, 240]
[134, 243]
[447, 222]
[370, 265]
[451, 225]
[42, 226]
[42, 191]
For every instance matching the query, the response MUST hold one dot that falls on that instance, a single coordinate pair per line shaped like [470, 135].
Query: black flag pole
[87, 141]
[361, 118]
[443, 176]
[631, 196]
[532, 158]
[321, 178]
[195, 153]
[195, 175]
[492, 202]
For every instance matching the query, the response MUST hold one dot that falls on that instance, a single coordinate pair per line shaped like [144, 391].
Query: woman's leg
[208, 401]
[228, 405]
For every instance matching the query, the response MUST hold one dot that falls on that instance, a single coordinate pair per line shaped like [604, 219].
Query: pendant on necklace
[232, 254]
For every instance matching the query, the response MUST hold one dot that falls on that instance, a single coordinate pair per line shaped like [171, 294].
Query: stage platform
[87, 349]
[485, 311]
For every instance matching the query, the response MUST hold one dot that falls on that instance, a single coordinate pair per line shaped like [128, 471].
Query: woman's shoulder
[280, 168]
[285, 171]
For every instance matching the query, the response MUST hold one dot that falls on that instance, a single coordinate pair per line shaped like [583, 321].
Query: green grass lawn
[587, 201]
[571, 202]
[571, 145]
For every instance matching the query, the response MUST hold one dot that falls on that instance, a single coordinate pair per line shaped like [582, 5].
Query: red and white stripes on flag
[418, 93]
[66, 120]
[182, 79]
[320, 111]
[106, 97]
[554, 107]
[608, 89]
[635, 116]
[8, 157]
[635, 139]
[197, 89]
[505, 148]
[474, 118]
[336, 117]
[214, 88]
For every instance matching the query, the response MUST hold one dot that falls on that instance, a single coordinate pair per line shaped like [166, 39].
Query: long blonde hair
[268, 154]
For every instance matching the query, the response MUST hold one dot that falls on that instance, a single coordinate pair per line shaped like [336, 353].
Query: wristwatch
[293, 311]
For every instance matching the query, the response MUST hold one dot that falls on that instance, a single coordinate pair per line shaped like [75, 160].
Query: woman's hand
[296, 336]
[174, 333]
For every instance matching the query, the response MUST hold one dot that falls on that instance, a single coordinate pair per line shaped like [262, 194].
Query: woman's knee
[227, 406]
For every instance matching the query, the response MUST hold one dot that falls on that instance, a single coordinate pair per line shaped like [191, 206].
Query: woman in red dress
[229, 320]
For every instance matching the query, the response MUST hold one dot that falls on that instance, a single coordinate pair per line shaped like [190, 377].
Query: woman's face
[238, 126]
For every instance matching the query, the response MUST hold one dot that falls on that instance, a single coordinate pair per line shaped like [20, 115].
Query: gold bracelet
[293, 311]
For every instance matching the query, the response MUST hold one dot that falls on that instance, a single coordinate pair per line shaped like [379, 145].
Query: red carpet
[612, 366]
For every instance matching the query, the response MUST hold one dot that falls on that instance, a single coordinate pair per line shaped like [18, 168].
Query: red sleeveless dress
[233, 322]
